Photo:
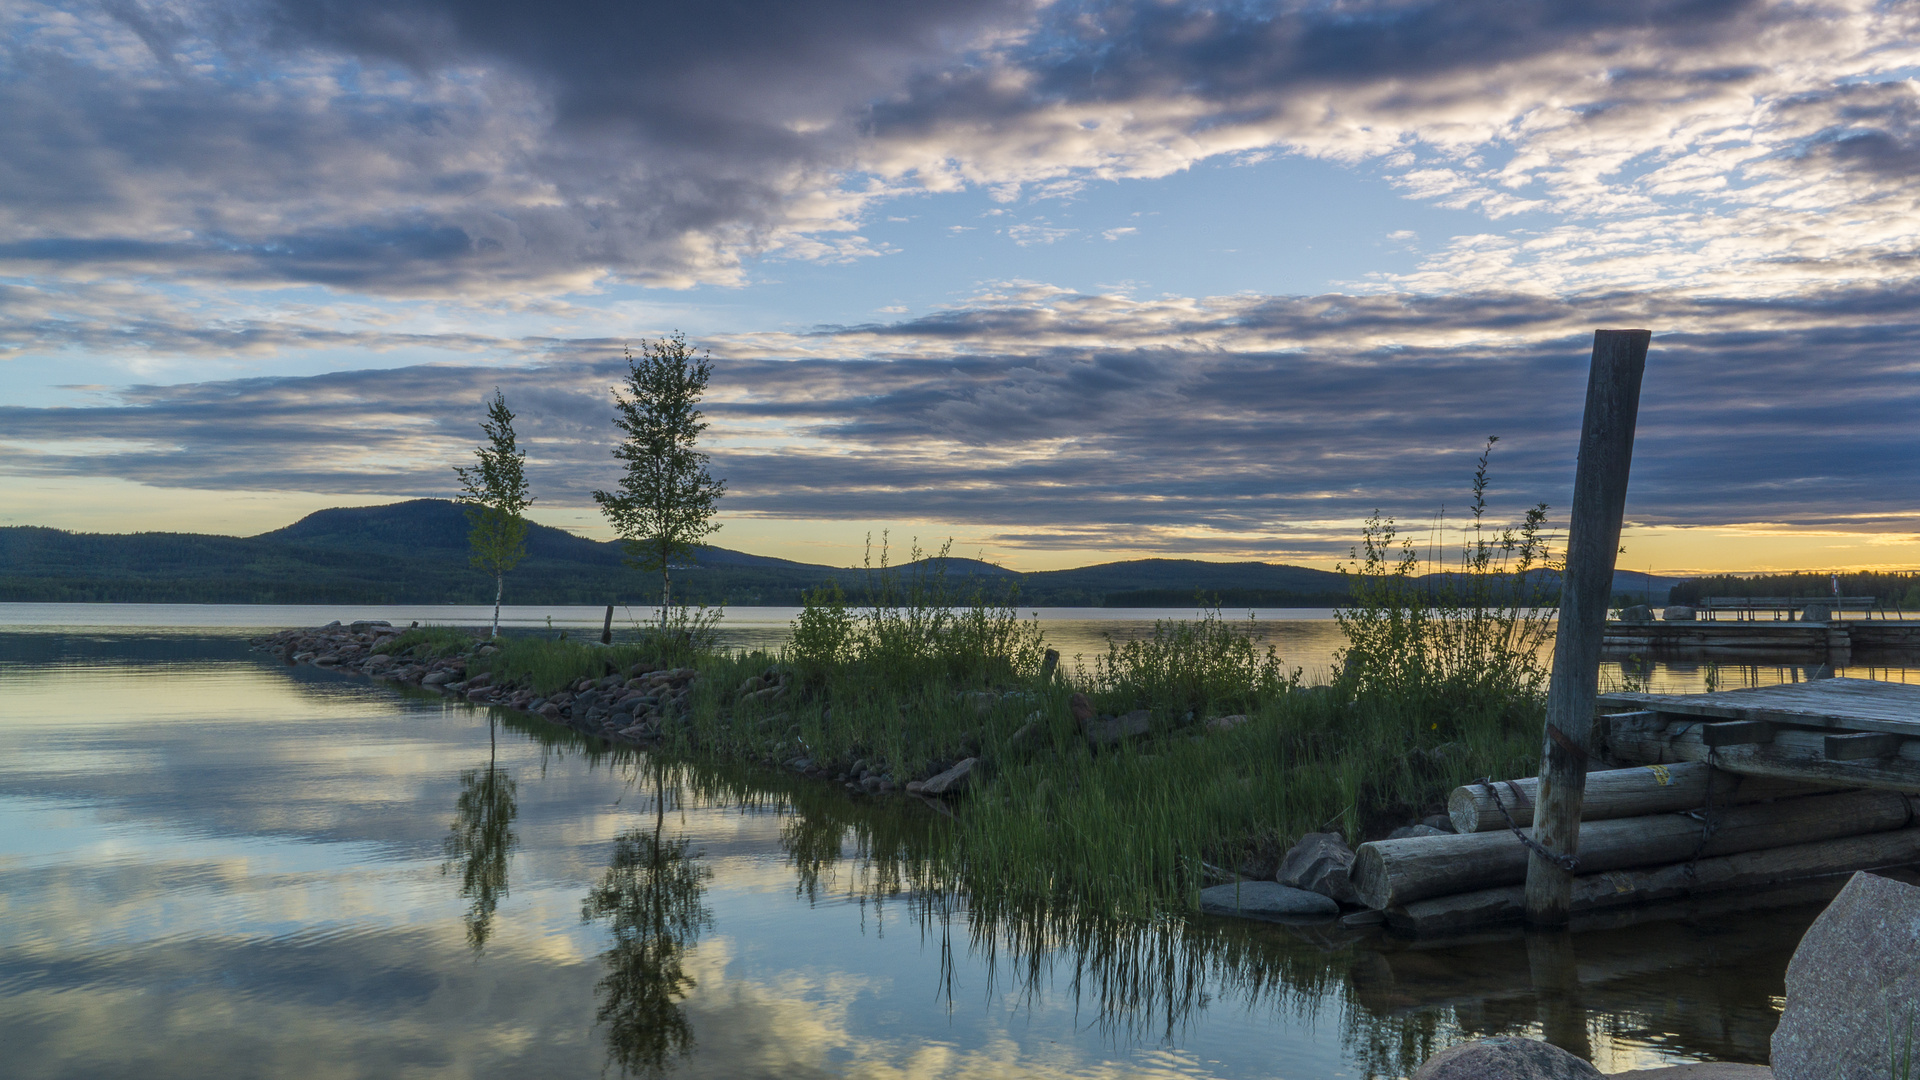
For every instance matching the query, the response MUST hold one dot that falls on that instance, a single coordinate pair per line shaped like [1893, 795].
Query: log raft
[1748, 791]
[1619, 793]
[1390, 873]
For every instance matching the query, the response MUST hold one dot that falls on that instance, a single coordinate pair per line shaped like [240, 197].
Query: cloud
[1051, 418]
[452, 147]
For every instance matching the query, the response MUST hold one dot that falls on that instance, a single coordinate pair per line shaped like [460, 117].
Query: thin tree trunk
[499, 590]
[666, 591]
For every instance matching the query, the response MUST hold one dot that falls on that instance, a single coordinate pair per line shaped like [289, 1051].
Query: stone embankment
[634, 705]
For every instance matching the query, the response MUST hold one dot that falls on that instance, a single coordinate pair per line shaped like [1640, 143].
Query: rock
[485, 678]
[1405, 831]
[983, 701]
[1265, 900]
[1440, 822]
[326, 660]
[1226, 723]
[951, 782]
[1028, 734]
[872, 784]
[1108, 732]
[1638, 613]
[1679, 613]
[1504, 1057]
[364, 625]
[913, 787]
[437, 678]
[1081, 709]
[1320, 863]
[1698, 1071]
[1856, 971]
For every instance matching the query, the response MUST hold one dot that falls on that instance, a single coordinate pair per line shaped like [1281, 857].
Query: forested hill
[416, 553]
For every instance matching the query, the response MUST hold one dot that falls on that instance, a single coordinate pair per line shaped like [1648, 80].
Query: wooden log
[1617, 888]
[1795, 754]
[1390, 873]
[1620, 793]
[1586, 585]
[606, 628]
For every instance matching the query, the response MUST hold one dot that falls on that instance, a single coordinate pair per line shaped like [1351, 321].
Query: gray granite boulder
[1320, 863]
[1106, 731]
[1504, 1057]
[951, 782]
[1856, 972]
[1268, 900]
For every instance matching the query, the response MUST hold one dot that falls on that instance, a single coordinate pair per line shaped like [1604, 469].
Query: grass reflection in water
[1696, 989]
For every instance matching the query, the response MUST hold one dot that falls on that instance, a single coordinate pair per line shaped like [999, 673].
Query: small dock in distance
[1787, 641]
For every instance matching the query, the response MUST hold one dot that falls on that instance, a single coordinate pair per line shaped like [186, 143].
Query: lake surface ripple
[211, 865]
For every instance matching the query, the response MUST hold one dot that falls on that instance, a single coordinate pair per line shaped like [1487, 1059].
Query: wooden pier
[1762, 640]
[1764, 791]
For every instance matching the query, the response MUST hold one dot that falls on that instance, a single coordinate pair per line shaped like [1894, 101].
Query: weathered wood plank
[1848, 704]
[1595, 892]
[1389, 873]
[1736, 733]
[1618, 793]
[1865, 747]
[1795, 754]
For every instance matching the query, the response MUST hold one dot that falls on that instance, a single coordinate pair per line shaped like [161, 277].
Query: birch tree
[495, 494]
[665, 503]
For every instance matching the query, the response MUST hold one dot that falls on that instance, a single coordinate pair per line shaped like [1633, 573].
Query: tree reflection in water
[650, 896]
[481, 841]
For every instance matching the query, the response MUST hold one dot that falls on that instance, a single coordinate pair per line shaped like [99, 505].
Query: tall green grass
[1439, 683]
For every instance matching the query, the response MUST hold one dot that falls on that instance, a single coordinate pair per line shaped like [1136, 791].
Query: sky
[1061, 282]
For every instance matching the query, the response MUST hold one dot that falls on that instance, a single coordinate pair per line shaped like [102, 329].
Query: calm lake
[213, 865]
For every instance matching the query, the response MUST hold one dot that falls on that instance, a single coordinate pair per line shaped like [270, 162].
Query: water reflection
[481, 840]
[233, 863]
[650, 897]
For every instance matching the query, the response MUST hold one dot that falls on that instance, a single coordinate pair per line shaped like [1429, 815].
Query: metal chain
[1565, 862]
[1710, 821]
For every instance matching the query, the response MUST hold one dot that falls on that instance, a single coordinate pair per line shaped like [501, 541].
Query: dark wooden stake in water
[1593, 541]
[606, 628]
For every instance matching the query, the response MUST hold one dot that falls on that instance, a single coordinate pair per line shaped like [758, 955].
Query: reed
[1438, 684]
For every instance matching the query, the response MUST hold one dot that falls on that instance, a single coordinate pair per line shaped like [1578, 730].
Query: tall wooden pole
[1593, 540]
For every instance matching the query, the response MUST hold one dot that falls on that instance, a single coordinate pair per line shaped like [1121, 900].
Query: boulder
[1505, 1057]
[951, 782]
[1679, 613]
[1320, 863]
[1107, 731]
[1855, 974]
[1081, 709]
[1441, 822]
[1405, 831]
[1268, 900]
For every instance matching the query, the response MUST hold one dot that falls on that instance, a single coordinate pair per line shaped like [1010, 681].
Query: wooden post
[1593, 541]
[606, 628]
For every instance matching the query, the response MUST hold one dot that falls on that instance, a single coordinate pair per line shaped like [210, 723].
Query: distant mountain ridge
[415, 552]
